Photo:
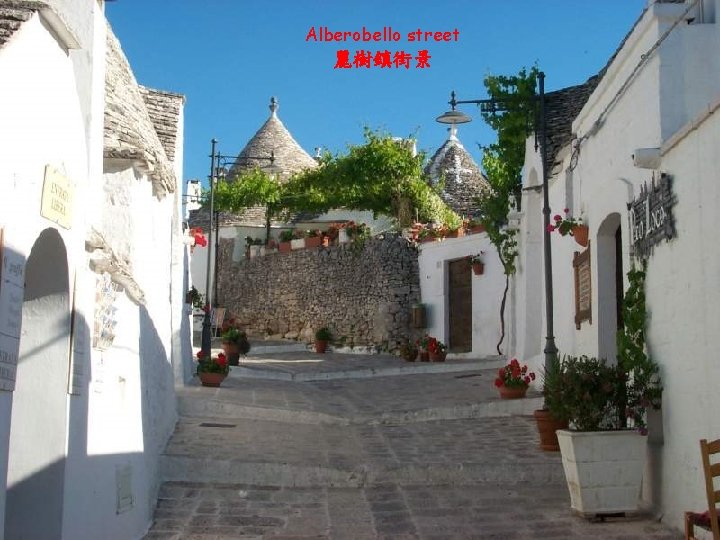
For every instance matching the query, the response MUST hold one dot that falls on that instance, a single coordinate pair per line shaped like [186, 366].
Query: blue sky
[229, 56]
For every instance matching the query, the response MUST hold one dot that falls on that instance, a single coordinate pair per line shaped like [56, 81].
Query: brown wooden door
[460, 306]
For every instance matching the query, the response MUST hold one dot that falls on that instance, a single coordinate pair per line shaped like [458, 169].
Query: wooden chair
[707, 520]
[217, 317]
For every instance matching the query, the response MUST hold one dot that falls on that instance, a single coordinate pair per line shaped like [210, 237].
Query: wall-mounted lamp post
[218, 163]
[454, 116]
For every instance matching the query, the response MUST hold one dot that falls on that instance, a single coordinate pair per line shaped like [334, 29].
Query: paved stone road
[298, 445]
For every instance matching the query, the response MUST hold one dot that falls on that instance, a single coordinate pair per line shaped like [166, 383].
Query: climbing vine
[382, 175]
[502, 162]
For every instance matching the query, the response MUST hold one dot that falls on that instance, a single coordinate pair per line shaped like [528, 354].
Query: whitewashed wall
[486, 291]
[125, 410]
[663, 106]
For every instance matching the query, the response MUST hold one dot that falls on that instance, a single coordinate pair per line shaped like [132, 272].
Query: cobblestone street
[298, 445]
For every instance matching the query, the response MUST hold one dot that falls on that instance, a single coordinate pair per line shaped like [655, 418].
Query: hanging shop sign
[651, 215]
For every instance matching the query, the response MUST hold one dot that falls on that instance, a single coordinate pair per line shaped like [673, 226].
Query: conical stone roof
[464, 181]
[273, 137]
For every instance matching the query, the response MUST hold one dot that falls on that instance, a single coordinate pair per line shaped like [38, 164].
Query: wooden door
[460, 308]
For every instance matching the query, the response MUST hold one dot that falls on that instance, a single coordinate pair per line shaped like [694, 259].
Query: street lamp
[218, 162]
[454, 116]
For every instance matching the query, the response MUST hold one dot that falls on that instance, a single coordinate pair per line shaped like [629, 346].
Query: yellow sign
[57, 198]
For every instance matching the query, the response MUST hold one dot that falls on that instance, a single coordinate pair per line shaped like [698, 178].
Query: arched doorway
[610, 285]
[36, 456]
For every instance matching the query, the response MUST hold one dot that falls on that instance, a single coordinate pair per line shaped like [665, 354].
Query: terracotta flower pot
[580, 233]
[437, 357]
[284, 247]
[313, 241]
[547, 426]
[211, 379]
[232, 351]
[514, 392]
[478, 268]
[423, 355]
[320, 346]
[476, 229]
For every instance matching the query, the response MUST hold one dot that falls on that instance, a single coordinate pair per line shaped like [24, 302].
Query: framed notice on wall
[583, 287]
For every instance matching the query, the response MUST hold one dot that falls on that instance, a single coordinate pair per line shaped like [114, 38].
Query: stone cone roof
[464, 181]
[13, 13]
[272, 138]
[129, 132]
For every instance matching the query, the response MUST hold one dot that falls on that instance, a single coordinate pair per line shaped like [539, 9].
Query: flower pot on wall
[478, 268]
[581, 233]
[313, 241]
[603, 469]
[320, 346]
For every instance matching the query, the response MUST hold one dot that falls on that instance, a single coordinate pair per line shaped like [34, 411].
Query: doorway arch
[610, 285]
[38, 425]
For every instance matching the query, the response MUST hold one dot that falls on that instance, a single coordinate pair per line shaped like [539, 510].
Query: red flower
[557, 217]
[200, 354]
[222, 360]
[567, 210]
[550, 227]
[498, 382]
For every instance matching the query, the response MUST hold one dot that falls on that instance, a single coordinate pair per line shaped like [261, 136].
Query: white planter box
[603, 469]
[255, 251]
[297, 243]
[343, 237]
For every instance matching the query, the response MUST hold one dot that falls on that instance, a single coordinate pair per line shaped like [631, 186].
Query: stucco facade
[82, 419]
[657, 93]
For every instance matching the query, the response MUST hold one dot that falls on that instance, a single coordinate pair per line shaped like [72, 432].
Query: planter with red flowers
[212, 370]
[437, 350]
[570, 225]
[422, 345]
[513, 380]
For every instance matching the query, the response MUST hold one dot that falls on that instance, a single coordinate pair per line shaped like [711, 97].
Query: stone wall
[362, 293]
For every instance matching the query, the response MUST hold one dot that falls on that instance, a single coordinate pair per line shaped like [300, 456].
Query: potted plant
[234, 343]
[478, 266]
[213, 369]
[285, 245]
[572, 226]
[408, 350]
[548, 423]
[604, 450]
[422, 344]
[194, 297]
[322, 337]
[313, 238]
[427, 234]
[298, 239]
[436, 349]
[474, 226]
[513, 380]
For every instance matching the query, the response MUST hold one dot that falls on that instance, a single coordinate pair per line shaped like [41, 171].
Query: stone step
[248, 370]
[195, 406]
[239, 471]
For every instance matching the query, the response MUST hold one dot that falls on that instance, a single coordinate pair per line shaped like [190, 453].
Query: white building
[92, 331]
[651, 114]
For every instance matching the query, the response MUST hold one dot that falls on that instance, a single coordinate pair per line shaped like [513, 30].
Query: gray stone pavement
[374, 450]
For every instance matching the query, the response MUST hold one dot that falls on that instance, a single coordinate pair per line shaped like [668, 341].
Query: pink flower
[557, 217]
[567, 210]
[550, 227]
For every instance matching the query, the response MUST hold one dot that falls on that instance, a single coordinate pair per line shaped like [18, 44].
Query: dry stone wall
[362, 293]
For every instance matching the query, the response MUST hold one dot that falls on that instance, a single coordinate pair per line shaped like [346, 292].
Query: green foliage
[250, 188]
[552, 390]
[323, 334]
[381, 176]
[286, 235]
[589, 394]
[644, 387]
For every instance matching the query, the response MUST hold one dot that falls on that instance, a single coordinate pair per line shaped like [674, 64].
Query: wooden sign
[651, 216]
[583, 287]
[57, 198]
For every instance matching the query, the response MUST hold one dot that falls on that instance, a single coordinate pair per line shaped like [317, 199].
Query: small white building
[649, 117]
[92, 327]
